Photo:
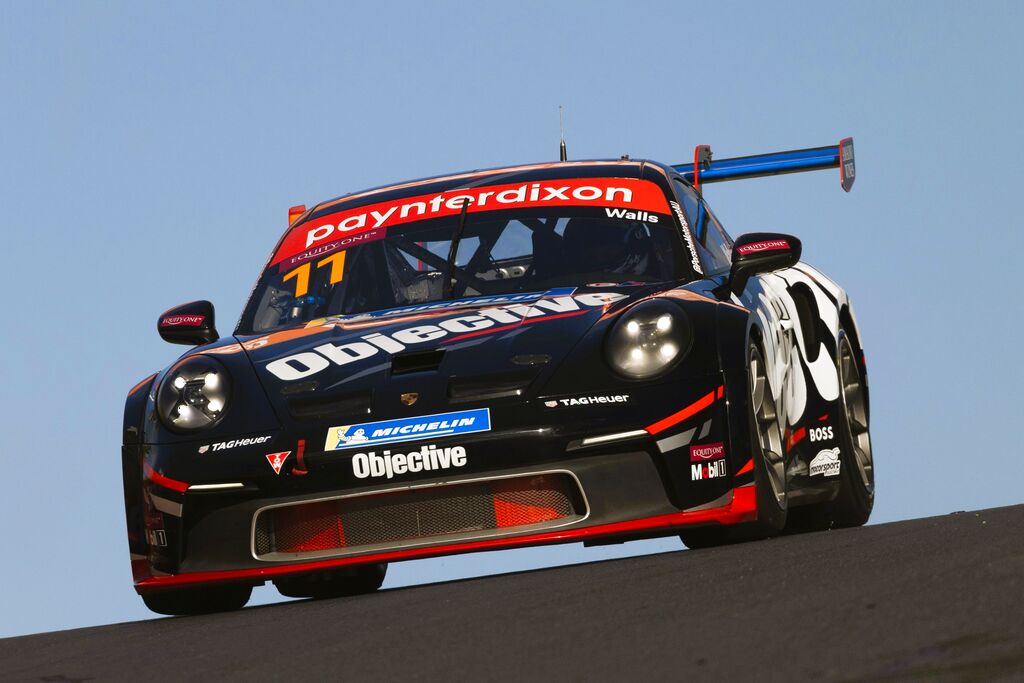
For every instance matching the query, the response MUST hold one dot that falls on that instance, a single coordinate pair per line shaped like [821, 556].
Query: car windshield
[334, 271]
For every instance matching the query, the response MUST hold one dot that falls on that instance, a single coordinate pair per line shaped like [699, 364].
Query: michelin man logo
[345, 440]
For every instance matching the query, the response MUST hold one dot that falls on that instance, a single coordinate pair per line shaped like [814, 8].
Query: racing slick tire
[200, 600]
[334, 584]
[856, 497]
[769, 467]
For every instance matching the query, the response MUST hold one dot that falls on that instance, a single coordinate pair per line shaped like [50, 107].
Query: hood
[443, 352]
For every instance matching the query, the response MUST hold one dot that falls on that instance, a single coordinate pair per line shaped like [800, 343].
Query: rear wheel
[199, 600]
[334, 584]
[769, 466]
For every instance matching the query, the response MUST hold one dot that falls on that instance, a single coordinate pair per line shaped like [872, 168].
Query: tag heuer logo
[410, 398]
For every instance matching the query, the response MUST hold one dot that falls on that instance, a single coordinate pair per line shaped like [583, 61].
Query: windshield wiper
[453, 251]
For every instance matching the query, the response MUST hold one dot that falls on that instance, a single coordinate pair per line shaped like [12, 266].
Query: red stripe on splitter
[160, 480]
[689, 411]
[742, 508]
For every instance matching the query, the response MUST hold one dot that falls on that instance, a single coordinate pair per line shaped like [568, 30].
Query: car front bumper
[637, 484]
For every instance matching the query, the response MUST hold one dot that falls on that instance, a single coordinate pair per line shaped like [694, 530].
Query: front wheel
[198, 600]
[769, 466]
[852, 505]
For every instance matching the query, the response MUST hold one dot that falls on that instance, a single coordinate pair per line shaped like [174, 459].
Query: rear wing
[704, 170]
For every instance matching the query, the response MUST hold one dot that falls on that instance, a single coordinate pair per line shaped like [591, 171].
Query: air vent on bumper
[418, 516]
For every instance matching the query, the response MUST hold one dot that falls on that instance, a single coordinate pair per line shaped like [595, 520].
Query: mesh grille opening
[443, 512]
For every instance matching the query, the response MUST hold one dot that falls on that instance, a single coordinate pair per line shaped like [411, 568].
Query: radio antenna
[562, 154]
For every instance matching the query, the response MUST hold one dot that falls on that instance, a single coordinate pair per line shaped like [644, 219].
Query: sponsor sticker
[276, 460]
[645, 216]
[758, 247]
[825, 463]
[234, 443]
[708, 470]
[708, 451]
[694, 259]
[182, 321]
[388, 464]
[420, 428]
[624, 193]
[820, 433]
[322, 250]
[591, 400]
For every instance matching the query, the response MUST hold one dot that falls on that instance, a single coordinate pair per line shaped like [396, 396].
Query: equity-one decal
[182, 321]
[625, 193]
[767, 245]
[319, 358]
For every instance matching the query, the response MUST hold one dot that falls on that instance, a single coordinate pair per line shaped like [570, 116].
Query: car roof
[596, 168]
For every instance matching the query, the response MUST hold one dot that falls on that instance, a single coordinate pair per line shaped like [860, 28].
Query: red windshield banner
[621, 193]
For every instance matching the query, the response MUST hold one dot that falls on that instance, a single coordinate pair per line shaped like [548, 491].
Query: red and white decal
[182, 321]
[708, 451]
[626, 193]
[757, 247]
[710, 470]
[324, 249]
[276, 460]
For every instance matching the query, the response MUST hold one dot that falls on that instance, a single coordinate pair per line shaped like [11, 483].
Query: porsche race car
[550, 353]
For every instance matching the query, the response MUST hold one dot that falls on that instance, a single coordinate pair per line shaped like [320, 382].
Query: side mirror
[761, 252]
[190, 324]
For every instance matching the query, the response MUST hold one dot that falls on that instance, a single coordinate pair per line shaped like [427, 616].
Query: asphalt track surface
[932, 599]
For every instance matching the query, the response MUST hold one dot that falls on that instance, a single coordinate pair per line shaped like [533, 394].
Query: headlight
[194, 395]
[648, 340]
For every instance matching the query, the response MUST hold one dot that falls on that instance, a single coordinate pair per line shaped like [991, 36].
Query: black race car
[570, 351]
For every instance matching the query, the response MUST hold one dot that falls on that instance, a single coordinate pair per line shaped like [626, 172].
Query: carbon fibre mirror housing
[761, 252]
[191, 324]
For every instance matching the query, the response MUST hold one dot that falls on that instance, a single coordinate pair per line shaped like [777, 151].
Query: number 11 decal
[301, 274]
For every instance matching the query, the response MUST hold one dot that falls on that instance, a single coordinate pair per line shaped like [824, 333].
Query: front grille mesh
[345, 524]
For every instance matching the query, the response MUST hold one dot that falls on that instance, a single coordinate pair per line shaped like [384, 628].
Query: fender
[131, 466]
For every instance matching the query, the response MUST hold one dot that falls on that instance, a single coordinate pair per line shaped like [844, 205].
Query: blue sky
[150, 151]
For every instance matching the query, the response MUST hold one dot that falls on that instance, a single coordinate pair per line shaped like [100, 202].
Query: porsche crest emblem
[410, 398]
